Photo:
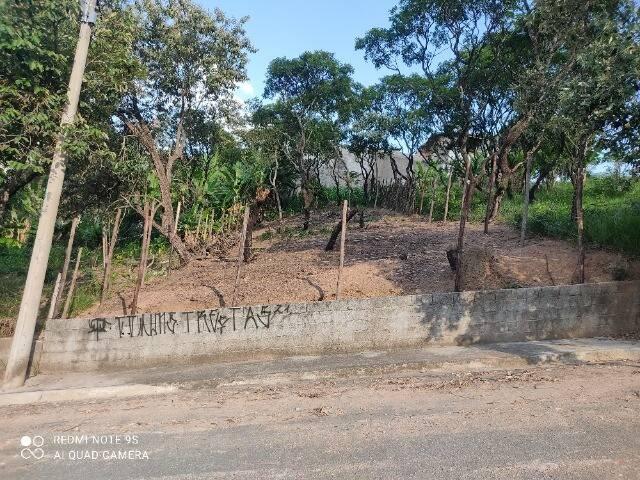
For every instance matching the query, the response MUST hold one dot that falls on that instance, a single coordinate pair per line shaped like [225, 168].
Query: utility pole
[20, 353]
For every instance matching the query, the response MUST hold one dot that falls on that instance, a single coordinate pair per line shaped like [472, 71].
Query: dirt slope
[392, 255]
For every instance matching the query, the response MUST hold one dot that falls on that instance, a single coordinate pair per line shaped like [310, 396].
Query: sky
[287, 28]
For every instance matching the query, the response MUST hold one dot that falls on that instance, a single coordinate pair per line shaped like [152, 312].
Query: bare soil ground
[392, 255]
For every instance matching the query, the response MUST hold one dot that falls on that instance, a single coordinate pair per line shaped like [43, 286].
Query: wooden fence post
[149, 211]
[245, 223]
[175, 232]
[74, 277]
[54, 297]
[345, 206]
[447, 195]
[110, 245]
[67, 259]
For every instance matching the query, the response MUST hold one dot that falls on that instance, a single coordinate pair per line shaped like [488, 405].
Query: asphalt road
[555, 422]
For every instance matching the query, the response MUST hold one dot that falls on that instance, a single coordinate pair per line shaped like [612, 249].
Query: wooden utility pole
[20, 353]
[243, 235]
[345, 207]
[72, 287]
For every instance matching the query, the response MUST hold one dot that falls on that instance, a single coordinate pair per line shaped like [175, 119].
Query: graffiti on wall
[216, 321]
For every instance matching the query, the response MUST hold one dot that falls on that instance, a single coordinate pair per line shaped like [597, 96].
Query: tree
[404, 103]
[600, 37]
[193, 61]
[447, 40]
[37, 39]
[368, 137]
[311, 96]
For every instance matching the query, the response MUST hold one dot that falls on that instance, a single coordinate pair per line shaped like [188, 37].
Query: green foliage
[611, 208]
[14, 263]
[314, 82]
[37, 41]
[313, 97]
[225, 184]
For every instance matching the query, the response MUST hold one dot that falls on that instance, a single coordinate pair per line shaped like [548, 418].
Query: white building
[346, 166]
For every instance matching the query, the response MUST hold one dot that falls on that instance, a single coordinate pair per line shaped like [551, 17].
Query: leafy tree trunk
[542, 176]
[307, 199]
[525, 202]
[467, 191]
[502, 185]
[574, 199]
[492, 181]
[503, 172]
[365, 188]
[163, 166]
[526, 196]
[248, 239]
[433, 199]
[278, 203]
[337, 183]
[255, 211]
[395, 170]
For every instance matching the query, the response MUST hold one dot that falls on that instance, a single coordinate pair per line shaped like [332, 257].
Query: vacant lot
[392, 255]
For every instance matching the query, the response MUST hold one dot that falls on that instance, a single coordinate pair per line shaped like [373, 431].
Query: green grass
[611, 213]
[611, 205]
[14, 263]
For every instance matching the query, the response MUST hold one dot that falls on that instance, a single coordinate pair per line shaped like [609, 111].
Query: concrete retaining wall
[250, 332]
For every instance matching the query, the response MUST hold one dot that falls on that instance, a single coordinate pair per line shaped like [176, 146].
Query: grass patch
[611, 213]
